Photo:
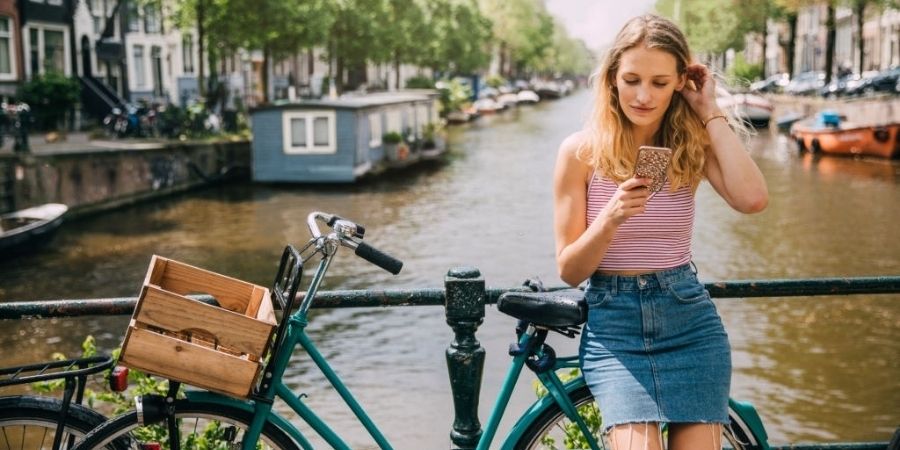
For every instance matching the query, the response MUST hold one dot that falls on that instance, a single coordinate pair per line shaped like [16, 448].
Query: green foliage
[419, 82]
[590, 413]
[392, 137]
[495, 81]
[741, 73]
[453, 96]
[50, 96]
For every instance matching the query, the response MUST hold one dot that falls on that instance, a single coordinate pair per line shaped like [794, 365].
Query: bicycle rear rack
[54, 370]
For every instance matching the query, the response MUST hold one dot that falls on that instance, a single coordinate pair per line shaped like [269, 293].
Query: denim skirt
[654, 349]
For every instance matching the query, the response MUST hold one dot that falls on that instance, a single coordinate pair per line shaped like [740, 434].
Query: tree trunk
[339, 74]
[792, 44]
[201, 4]
[861, 44]
[829, 43]
[397, 72]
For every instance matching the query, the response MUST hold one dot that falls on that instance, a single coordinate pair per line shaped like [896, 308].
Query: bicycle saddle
[565, 308]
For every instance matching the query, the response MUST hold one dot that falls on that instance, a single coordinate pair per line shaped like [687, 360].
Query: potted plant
[394, 147]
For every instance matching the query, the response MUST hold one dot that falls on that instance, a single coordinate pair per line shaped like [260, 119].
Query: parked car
[838, 86]
[859, 85]
[884, 81]
[775, 83]
[806, 83]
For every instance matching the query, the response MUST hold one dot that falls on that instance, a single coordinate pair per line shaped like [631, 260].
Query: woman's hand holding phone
[629, 200]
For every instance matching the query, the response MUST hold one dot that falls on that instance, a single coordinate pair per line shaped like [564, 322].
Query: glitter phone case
[653, 163]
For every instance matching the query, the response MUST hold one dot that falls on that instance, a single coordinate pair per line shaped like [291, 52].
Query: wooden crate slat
[192, 364]
[232, 294]
[173, 312]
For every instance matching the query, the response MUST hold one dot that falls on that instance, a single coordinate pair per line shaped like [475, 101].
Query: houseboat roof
[357, 101]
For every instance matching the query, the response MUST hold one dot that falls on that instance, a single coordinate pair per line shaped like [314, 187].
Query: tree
[459, 38]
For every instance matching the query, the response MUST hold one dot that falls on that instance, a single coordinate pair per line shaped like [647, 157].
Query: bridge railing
[464, 297]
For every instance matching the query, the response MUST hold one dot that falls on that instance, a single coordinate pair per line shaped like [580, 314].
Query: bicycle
[177, 423]
[30, 421]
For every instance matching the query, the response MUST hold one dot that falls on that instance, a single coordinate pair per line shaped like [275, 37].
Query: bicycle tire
[539, 434]
[28, 421]
[125, 431]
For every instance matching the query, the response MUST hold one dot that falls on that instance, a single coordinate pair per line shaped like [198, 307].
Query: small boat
[528, 96]
[827, 133]
[786, 121]
[29, 227]
[751, 108]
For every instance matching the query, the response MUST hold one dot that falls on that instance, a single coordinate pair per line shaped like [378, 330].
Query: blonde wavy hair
[610, 148]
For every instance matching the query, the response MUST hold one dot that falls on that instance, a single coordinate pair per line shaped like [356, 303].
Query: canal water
[818, 369]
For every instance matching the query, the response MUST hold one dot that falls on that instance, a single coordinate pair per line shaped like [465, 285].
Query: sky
[596, 22]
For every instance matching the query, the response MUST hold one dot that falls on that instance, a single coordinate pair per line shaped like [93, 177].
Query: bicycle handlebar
[379, 258]
[350, 234]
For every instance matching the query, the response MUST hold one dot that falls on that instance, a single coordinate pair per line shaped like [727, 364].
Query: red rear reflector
[151, 446]
[118, 382]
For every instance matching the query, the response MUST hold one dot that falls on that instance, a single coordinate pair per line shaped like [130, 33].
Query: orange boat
[833, 137]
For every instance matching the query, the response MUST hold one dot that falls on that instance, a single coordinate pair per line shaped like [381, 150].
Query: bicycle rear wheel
[30, 422]
[200, 425]
[553, 430]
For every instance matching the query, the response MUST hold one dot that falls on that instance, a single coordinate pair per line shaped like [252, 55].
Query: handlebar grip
[380, 259]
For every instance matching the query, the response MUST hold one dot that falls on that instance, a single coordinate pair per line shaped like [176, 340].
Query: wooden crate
[216, 348]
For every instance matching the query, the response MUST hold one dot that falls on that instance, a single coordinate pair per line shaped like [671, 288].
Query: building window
[133, 17]
[46, 50]
[140, 76]
[394, 122]
[309, 132]
[375, 129]
[187, 48]
[151, 19]
[6, 48]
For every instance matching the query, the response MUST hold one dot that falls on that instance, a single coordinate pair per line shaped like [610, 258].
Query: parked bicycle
[566, 411]
[39, 422]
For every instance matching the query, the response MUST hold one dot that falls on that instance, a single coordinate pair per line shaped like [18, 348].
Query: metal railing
[464, 297]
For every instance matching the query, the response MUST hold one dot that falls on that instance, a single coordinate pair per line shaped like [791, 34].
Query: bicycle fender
[278, 421]
[533, 412]
[747, 414]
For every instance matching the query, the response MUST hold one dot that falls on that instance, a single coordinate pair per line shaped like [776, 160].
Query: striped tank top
[658, 239]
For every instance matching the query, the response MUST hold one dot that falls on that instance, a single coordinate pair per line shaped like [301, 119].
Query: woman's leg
[695, 436]
[635, 436]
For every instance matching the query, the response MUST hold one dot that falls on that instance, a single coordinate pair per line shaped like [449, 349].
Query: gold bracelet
[714, 116]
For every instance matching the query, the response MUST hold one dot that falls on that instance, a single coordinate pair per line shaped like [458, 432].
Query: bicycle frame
[295, 334]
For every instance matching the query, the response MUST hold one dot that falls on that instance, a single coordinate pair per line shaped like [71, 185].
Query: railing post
[465, 296]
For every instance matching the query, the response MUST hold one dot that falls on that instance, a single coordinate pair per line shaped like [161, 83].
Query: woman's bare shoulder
[573, 143]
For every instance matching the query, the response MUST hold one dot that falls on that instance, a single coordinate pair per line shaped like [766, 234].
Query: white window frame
[12, 51]
[310, 147]
[139, 82]
[375, 129]
[422, 118]
[41, 27]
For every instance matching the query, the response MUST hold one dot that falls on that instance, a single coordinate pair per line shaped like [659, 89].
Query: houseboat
[340, 140]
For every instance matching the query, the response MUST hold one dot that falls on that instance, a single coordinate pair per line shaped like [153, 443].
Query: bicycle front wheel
[199, 424]
[553, 430]
[30, 422]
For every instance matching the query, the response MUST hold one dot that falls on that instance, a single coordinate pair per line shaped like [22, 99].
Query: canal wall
[863, 111]
[98, 179]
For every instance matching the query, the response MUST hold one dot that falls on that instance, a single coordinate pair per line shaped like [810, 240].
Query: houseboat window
[421, 118]
[309, 132]
[298, 132]
[140, 77]
[320, 131]
[5, 46]
[375, 130]
[393, 122]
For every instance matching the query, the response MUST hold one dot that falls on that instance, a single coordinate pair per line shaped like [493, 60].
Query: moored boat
[29, 227]
[828, 134]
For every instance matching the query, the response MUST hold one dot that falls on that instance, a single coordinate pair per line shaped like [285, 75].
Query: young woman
[654, 349]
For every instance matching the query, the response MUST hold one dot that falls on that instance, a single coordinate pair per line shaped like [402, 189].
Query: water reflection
[806, 363]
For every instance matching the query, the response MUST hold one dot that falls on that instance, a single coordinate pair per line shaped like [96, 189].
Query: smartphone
[653, 163]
